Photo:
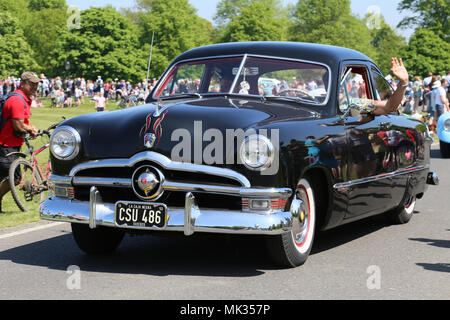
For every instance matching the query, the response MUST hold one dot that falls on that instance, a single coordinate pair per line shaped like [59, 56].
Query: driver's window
[383, 89]
[354, 87]
[186, 80]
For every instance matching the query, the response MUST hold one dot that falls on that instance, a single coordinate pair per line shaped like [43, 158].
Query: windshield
[256, 76]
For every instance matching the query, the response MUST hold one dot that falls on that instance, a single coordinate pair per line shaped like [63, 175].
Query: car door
[402, 140]
[368, 187]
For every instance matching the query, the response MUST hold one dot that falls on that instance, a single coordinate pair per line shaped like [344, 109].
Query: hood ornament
[159, 107]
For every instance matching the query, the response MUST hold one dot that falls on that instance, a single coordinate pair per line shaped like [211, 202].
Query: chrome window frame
[245, 57]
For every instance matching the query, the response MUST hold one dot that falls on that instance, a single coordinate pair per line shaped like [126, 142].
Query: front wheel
[26, 185]
[96, 241]
[292, 249]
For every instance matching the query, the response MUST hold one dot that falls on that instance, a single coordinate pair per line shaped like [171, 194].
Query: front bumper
[189, 219]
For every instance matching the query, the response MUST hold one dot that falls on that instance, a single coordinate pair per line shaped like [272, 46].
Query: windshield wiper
[181, 96]
[295, 99]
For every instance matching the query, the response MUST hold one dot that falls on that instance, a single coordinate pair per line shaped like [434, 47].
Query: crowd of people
[430, 95]
[70, 92]
[422, 96]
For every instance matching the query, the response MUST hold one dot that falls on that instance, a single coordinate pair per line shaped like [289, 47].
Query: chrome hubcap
[301, 216]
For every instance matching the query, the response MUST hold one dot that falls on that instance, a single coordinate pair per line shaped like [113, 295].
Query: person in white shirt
[440, 97]
[78, 94]
[100, 102]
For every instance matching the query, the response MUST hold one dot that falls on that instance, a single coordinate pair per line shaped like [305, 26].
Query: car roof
[327, 54]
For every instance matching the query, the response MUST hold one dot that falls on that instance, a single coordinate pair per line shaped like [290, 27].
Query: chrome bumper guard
[189, 219]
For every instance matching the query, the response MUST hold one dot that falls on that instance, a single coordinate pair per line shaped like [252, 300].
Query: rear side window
[354, 86]
[383, 89]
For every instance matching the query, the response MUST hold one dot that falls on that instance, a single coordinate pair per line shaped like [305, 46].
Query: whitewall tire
[403, 213]
[292, 249]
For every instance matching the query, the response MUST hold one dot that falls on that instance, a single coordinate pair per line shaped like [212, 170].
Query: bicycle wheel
[26, 185]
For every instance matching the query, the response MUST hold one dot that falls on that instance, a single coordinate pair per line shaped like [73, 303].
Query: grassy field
[41, 118]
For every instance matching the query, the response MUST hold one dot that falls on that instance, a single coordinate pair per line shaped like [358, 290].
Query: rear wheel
[445, 149]
[27, 188]
[403, 213]
[292, 249]
[96, 241]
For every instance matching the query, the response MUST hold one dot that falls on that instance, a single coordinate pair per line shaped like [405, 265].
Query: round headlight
[447, 124]
[256, 152]
[65, 143]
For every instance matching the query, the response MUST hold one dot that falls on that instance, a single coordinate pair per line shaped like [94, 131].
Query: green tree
[17, 8]
[227, 10]
[176, 26]
[258, 20]
[429, 14]
[16, 55]
[106, 44]
[426, 52]
[42, 30]
[387, 44]
[330, 22]
[37, 5]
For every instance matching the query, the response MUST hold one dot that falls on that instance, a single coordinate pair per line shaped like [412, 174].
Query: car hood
[123, 133]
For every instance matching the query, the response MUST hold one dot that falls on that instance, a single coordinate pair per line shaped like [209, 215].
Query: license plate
[140, 215]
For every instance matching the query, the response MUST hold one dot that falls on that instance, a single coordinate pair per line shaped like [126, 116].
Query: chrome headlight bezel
[72, 141]
[262, 162]
[446, 124]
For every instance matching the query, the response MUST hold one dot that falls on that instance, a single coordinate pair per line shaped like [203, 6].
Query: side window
[354, 86]
[185, 79]
[383, 89]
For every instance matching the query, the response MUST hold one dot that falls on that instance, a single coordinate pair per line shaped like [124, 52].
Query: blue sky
[207, 8]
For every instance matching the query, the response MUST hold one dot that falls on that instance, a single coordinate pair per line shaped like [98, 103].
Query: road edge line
[28, 230]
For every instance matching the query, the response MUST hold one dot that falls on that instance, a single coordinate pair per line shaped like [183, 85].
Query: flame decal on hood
[157, 128]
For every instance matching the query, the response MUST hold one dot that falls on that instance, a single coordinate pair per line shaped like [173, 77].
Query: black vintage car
[260, 138]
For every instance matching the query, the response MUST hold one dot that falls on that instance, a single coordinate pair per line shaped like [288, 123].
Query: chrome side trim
[164, 162]
[345, 185]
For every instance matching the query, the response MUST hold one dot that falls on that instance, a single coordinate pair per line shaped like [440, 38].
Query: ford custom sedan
[256, 138]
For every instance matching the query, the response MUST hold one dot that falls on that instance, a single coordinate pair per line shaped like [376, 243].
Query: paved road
[364, 260]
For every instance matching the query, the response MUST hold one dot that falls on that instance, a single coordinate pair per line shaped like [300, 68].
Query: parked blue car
[443, 132]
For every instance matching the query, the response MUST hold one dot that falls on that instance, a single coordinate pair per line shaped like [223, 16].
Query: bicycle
[28, 180]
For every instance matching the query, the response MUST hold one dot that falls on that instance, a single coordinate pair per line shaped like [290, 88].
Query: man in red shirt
[18, 110]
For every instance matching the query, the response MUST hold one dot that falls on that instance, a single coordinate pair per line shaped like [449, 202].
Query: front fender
[443, 135]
